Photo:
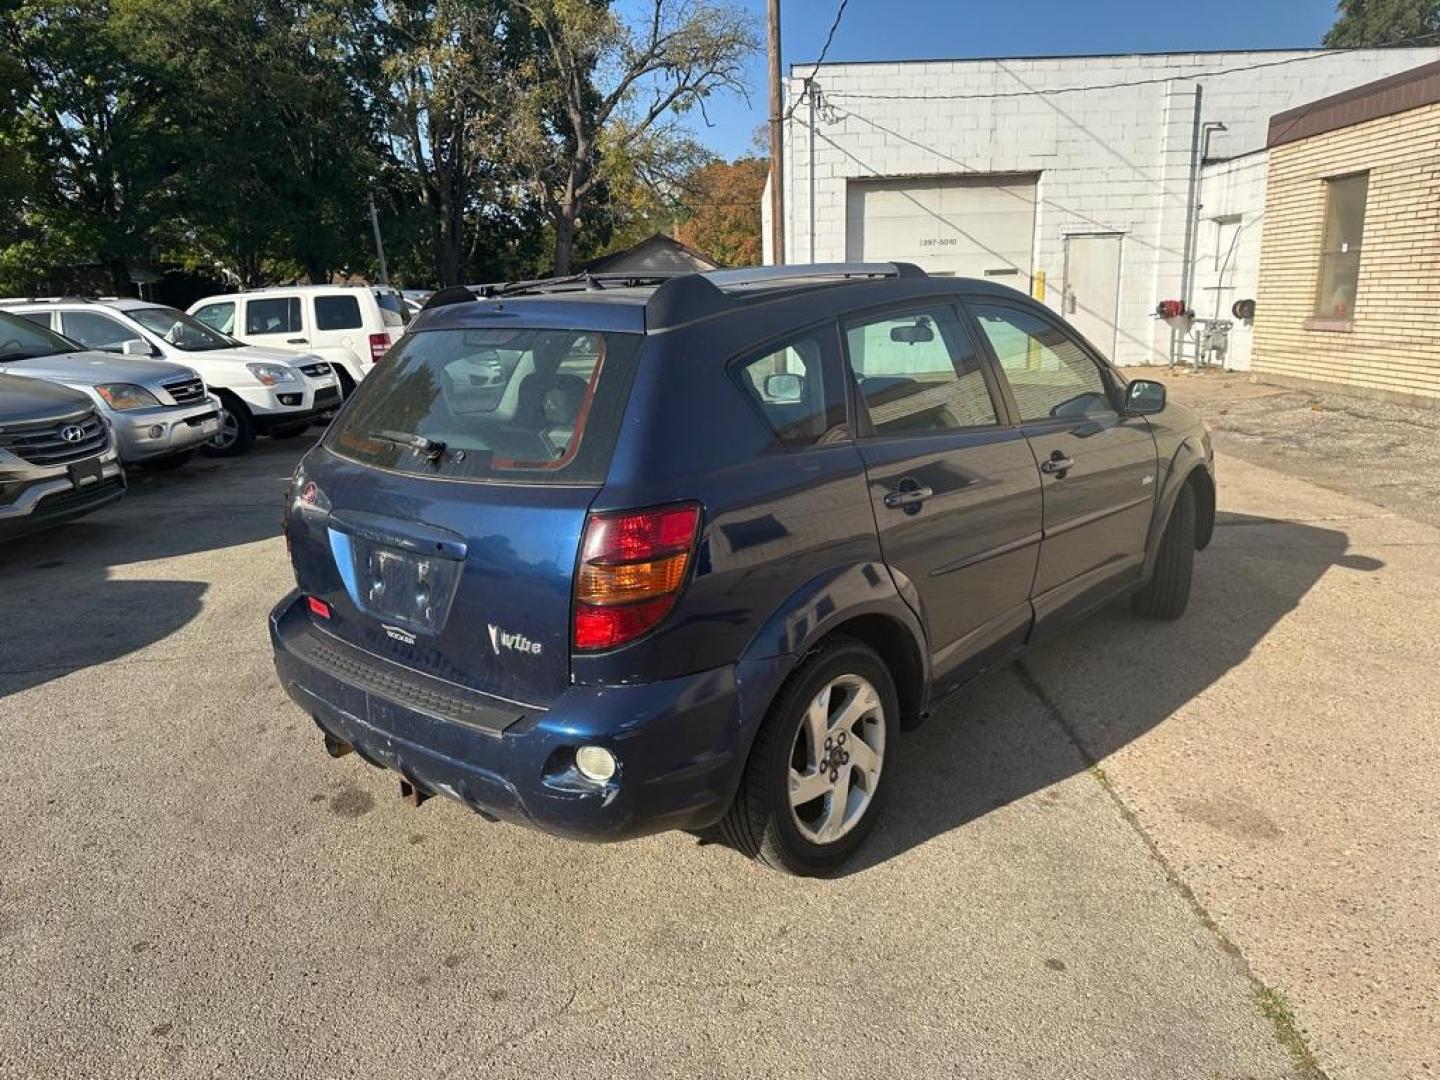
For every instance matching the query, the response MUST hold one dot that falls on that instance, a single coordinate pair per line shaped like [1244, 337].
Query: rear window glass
[392, 308]
[337, 313]
[538, 406]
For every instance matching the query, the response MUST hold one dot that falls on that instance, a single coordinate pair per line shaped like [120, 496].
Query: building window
[1340, 246]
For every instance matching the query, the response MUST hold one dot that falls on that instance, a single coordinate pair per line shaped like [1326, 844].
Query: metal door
[1092, 288]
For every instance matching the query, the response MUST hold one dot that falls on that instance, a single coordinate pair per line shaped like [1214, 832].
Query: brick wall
[1393, 346]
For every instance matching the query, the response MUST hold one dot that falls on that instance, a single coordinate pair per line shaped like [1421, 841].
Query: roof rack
[690, 297]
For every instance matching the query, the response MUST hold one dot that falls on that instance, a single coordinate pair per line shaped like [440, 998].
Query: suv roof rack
[689, 297]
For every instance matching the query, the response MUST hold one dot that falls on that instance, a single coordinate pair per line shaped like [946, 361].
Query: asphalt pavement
[1131, 855]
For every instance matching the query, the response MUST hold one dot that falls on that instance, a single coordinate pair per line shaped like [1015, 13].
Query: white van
[351, 326]
[261, 391]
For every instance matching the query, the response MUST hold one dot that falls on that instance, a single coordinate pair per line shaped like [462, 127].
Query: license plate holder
[86, 473]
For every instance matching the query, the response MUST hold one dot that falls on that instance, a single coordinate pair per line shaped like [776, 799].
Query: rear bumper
[681, 743]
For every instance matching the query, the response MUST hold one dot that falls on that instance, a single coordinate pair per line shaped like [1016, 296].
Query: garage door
[970, 226]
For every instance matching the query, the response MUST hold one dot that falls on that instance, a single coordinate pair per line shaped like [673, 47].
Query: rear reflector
[379, 343]
[632, 567]
[318, 606]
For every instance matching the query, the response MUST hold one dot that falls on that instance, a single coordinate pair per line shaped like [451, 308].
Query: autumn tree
[723, 202]
[603, 96]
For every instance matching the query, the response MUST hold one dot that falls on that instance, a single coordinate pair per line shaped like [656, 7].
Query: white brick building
[1097, 196]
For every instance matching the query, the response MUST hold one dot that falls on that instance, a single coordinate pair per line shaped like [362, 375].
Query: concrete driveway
[1119, 858]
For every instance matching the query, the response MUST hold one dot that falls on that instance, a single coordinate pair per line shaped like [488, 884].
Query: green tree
[91, 124]
[602, 97]
[1368, 23]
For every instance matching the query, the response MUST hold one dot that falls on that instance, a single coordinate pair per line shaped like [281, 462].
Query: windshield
[21, 339]
[479, 404]
[180, 330]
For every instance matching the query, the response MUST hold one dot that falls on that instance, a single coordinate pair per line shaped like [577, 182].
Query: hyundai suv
[261, 391]
[708, 545]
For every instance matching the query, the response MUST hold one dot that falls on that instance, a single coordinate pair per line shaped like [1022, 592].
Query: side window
[40, 318]
[789, 383]
[917, 371]
[337, 313]
[272, 315]
[1048, 372]
[96, 331]
[218, 317]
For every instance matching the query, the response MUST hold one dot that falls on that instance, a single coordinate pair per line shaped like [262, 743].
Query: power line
[824, 51]
[1049, 91]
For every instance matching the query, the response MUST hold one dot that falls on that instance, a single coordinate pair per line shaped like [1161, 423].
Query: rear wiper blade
[431, 448]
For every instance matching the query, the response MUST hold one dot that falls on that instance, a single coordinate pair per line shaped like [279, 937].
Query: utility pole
[777, 145]
[379, 245]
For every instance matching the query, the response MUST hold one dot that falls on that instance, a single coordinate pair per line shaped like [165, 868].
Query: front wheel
[237, 429]
[1167, 593]
[812, 785]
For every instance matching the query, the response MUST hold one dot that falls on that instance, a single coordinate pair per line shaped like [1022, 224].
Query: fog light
[156, 431]
[595, 763]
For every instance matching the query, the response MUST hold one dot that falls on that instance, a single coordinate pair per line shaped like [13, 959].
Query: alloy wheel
[229, 431]
[836, 759]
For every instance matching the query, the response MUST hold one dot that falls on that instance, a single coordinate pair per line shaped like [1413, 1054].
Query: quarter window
[273, 315]
[1049, 373]
[337, 313]
[802, 406]
[917, 371]
[1340, 246]
[218, 317]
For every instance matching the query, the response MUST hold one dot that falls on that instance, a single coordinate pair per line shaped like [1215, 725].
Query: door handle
[297, 341]
[1058, 465]
[908, 497]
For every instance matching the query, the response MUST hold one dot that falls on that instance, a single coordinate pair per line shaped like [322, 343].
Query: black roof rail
[689, 297]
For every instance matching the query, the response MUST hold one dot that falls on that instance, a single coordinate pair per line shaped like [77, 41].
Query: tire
[1167, 592]
[347, 384]
[762, 822]
[169, 461]
[237, 429]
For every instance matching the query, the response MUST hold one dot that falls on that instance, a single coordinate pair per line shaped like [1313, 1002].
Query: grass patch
[1276, 1009]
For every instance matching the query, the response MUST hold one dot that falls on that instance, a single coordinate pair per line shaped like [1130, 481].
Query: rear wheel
[347, 384]
[1167, 593]
[237, 428]
[810, 792]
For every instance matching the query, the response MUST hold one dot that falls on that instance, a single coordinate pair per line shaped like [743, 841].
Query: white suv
[261, 391]
[350, 326]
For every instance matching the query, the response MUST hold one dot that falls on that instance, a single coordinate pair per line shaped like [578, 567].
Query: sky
[926, 29]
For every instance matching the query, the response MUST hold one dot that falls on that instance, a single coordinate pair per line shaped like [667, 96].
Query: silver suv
[159, 413]
[57, 460]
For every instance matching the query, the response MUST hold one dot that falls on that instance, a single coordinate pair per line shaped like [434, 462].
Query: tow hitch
[413, 793]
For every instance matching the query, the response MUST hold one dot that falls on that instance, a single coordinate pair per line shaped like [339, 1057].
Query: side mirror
[1144, 397]
[136, 347]
[786, 386]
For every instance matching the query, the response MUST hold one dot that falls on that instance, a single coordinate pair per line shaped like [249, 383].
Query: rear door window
[272, 315]
[918, 371]
[536, 406]
[337, 313]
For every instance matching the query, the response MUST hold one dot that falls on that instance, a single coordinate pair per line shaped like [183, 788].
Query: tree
[723, 199]
[91, 124]
[602, 97]
[1370, 23]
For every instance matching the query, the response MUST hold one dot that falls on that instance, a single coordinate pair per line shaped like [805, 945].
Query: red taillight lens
[379, 343]
[632, 565]
[318, 606]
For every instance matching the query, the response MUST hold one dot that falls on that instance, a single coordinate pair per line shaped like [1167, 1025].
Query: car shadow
[1106, 681]
[76, 595]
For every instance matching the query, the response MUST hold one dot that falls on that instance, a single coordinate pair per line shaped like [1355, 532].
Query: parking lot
[1133, 854]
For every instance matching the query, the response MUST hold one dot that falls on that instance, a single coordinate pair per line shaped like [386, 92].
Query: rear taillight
[632, 566]
[378, 344]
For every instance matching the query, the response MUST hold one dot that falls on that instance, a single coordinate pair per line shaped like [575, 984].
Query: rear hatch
[439, 520]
